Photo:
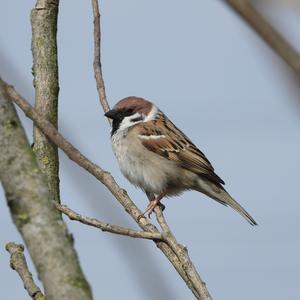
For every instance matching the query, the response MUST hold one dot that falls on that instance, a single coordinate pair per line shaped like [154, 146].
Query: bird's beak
[111, 114]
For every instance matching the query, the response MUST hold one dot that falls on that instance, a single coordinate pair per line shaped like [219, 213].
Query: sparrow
[156, 156]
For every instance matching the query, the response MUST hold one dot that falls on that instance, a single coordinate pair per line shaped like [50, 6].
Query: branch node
[184, 248]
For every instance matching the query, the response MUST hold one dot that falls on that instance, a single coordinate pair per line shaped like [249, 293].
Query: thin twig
[167, 237]
[107, 227]
[103, 176]
[97, 58]
[275, 40]
[19, 264]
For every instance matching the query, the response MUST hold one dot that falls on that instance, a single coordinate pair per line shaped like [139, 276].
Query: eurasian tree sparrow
[156, 156]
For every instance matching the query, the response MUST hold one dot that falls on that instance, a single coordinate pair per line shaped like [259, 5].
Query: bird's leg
[154, 201]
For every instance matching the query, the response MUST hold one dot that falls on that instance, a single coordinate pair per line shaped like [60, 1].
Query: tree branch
[33, 213]
[167, 236]
[45, 72]
[19, 264]
[103, 176]
[97, 59]
[276, 41]
[182, 254]
[191, 276]
[107, 227]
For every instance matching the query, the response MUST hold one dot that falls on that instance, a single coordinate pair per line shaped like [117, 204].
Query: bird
[156, 156]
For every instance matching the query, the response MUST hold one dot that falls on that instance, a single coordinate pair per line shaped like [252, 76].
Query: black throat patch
[119, 117]
[116, 124]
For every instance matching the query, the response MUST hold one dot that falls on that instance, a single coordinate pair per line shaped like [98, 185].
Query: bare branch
[33, 213]
[103, 176]
[45, 72]
[167, 237]
[19, 264]
[107, 227]
[97, 58]
[277, 42]
[74, 154]
[182, 254]
[191, 276]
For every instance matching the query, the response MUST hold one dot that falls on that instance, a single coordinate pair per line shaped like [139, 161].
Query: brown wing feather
[176, 146]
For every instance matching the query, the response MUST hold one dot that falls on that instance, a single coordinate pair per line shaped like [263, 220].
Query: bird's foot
[162, 206]
[150, 208]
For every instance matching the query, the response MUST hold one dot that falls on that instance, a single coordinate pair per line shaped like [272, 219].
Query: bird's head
[131, 111]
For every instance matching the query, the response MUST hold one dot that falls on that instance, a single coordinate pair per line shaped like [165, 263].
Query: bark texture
[19, 264]
[45, 72]
[30, 204]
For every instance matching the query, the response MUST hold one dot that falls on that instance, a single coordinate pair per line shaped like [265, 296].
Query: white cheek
[127, 121]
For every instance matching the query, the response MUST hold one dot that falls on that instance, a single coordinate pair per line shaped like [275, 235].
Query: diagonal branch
[19, 264]
[107, 227]
[103, 176]
[167, 236]
[182, 254]
[191, 276]
[33, 213]
[276, 41]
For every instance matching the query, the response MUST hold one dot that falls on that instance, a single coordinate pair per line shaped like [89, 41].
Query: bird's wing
[162, 137]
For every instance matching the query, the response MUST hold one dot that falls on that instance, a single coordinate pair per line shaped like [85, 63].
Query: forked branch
[19, 264]
[120, 194]
[73, 215]
[194, 281]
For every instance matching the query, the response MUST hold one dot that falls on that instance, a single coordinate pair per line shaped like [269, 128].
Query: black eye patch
[140, 118]
[119, 117]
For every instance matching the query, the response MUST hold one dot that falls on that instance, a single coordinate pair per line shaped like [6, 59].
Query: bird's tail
[219, 194]
[236, 206]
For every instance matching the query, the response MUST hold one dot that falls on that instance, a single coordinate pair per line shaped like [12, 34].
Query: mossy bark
[45, 72]
[30, 203]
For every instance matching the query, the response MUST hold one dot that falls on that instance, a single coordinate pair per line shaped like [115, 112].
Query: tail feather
[228, 200]
[218, 193]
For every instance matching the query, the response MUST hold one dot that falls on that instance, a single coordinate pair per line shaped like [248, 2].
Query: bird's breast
[142, 167]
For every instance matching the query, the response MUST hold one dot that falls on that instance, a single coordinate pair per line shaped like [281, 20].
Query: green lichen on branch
[78, 282]
[45, 72]
[31, 206]
[19, 264]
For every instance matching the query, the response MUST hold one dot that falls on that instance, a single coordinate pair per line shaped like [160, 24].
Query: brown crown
[135, 103]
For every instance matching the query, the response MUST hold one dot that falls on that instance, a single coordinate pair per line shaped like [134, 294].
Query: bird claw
[161, 206]
[150, 208]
